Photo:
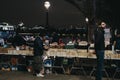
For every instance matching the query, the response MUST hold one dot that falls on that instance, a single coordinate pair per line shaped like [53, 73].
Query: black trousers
[37, 64]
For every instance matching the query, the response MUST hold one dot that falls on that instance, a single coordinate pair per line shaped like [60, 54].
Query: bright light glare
[86, 19]
[47, 4]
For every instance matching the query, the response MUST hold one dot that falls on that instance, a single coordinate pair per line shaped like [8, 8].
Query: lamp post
[87, 20]
[47, 6]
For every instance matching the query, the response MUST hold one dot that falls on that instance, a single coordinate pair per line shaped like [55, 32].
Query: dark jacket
[18, 40]
[38, 47]
[117, 45]
[99, 39]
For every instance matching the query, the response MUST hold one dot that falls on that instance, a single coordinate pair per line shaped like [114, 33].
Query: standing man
[117, 41]
[99, 49]
[38, 52]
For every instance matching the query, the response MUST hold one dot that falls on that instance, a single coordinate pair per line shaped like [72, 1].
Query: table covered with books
[80, 53]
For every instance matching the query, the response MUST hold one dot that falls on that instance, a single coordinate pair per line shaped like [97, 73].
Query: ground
[21, 75]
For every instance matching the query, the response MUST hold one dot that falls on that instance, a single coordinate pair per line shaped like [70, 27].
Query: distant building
[6, 26]
[6, 30]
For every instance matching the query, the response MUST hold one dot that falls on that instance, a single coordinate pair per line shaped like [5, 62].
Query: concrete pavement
[21, 75]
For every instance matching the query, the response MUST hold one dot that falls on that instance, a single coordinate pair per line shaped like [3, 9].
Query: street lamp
[47, 5]
[87, 20]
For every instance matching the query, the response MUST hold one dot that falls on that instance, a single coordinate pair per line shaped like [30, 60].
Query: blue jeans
[100, 64]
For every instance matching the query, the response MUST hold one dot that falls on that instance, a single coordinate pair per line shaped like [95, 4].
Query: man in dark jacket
[38, 52]
[99, 49]
[18, 40]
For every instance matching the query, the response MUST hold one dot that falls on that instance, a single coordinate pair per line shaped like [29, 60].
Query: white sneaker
[40, 75]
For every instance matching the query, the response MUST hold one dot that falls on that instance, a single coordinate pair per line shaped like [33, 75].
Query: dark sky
[32, 12]
[113, 13]
[13, 11]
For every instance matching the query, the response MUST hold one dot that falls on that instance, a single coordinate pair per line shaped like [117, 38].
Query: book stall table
[64, 53]
[16, 59]
[81, 53]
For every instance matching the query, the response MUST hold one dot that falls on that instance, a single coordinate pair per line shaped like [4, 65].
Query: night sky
[113, 15]
[32, 12]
